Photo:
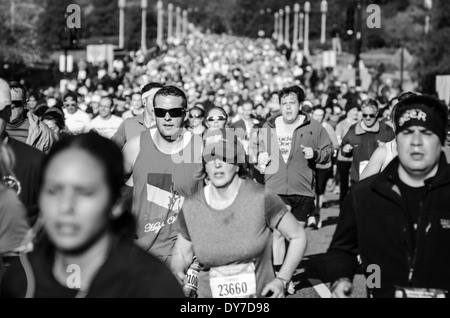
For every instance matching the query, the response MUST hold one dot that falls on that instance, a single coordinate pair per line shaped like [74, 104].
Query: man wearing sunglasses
[23, 125]
[363, 138]
[28, 159]
[133, 126]
[160, 181]
[77, 121]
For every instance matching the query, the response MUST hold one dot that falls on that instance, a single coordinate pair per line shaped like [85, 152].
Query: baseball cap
[223, 144]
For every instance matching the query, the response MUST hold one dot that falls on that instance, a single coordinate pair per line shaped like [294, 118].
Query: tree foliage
[435, 51]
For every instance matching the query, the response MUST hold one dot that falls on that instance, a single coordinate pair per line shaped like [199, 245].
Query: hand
[274, 289]
[263, 160]
[347, 148]
[308, 152]
[343, 289]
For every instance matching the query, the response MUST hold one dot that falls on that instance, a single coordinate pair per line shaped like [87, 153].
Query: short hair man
[398, 219]
[297, 144]
[23, 125]
[132, 127]
[77, 121]
[27, 158]
[160, 181]
[105, 124]
[363, 138]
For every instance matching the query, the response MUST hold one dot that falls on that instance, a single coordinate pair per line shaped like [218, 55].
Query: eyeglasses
[216, 118]
[174, 112]
[195, 116]
[369, 115]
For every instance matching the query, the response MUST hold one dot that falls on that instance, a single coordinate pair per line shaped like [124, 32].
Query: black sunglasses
[174, 112]
[369, 115]
[195, 116]
[214, 118]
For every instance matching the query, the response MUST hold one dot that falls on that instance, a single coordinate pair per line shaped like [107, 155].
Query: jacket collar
[389, 178]
[359, 130]
[271, 120]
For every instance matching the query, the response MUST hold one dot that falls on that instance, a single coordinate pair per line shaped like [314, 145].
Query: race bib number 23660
[233, 281]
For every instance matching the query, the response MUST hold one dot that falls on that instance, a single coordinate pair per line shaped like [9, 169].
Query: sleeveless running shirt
[161, 185]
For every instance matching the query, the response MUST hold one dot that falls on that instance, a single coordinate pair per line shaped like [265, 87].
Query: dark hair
[18, 86]
[370, 102]
[172, 91]
[150, 86]
[70, 94]
[109, 155]
[219, 108]
[292, 90]
[56, 117]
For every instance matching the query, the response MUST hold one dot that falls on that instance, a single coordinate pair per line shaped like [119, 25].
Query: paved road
[309, 279]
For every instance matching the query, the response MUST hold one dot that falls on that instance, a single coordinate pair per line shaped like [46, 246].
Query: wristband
[284, 281]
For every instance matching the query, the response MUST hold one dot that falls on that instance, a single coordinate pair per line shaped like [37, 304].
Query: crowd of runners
[215, 156]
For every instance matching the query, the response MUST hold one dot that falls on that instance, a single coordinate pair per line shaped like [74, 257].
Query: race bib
[408, 292]
[233, 281]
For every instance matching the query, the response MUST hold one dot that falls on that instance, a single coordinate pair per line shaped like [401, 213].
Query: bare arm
[130, 152]
[183, 254]
[295, 234]
[375, 163]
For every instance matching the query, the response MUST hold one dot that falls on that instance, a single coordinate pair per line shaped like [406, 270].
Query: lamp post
[324, 10]
[280, 28]
[301, 27]
[428, 4]
[178, 25]
[295, 39]
[170, 24]
[185, 24]
[306, 43]
[287, 10]
[122, 5]
[275, 32]
[160, 26]
[144, 5]
[358, 42]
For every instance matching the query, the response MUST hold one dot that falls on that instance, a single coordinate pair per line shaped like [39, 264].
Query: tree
[435, 51]
[19, 47]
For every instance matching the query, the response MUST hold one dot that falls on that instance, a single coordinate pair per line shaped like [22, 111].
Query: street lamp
[428, 4]
[185, 24]
[160, 32]
[122, 5]
[286, 28]
[275, 32]
[295, 40]
[324, 10]
[170, 24]
[144, 6]
[306, 43]
[178, 25]
[280, 28]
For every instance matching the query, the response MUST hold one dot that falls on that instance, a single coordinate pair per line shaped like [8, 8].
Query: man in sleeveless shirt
[162, 161]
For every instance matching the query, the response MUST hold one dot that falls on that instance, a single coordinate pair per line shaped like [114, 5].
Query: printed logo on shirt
[445, 224]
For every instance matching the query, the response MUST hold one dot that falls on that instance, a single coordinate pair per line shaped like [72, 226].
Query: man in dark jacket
[363, 138]
[398, 221]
